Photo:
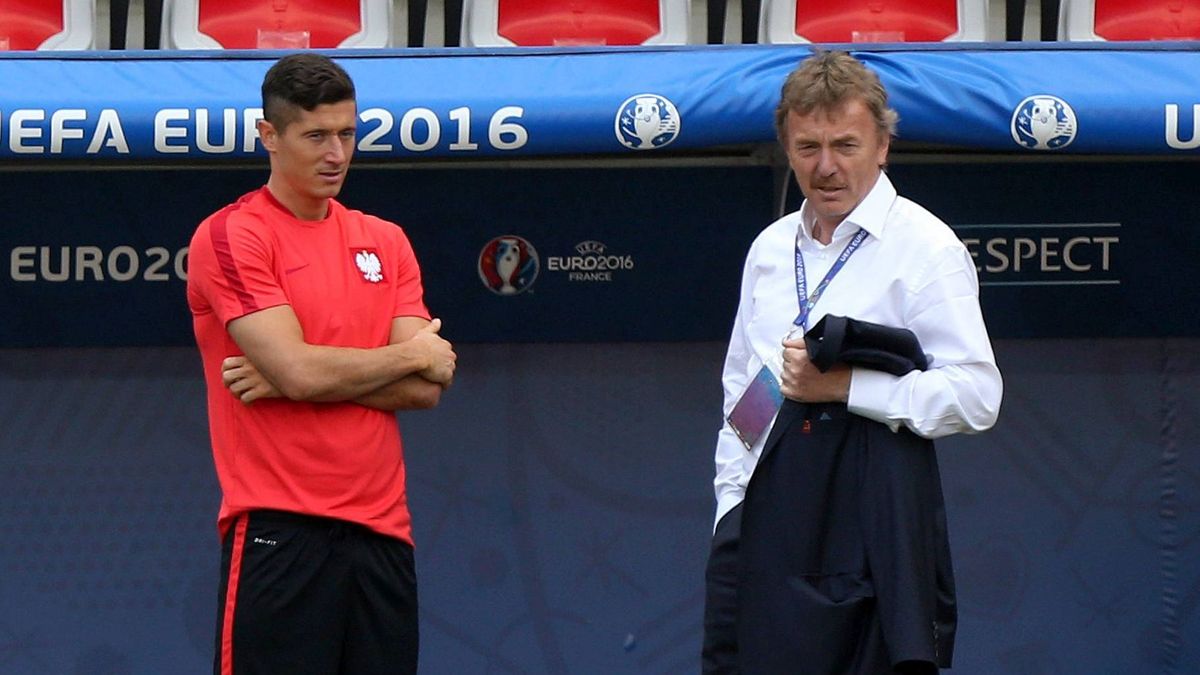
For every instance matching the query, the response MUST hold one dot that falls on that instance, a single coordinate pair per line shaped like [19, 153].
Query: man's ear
[268, 134]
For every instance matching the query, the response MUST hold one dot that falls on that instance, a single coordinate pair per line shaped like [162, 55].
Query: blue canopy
[1024, 98]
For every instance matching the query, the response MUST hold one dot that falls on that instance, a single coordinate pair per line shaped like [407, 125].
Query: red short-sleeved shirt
[346, 277]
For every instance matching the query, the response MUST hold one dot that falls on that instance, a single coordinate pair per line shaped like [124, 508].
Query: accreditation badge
[753, 412]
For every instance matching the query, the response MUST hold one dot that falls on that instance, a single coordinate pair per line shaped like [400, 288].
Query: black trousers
[314, 596]
[719, 654]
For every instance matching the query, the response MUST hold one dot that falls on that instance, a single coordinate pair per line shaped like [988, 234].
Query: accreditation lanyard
[808, 301]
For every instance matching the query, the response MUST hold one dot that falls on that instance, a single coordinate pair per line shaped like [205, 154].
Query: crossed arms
[410, 372]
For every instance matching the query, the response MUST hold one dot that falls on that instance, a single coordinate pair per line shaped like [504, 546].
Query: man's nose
[826, 162]
[336, 152]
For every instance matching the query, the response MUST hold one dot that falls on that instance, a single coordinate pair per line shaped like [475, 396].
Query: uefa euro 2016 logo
[508, 265]
[1044, 122]
[646, 121]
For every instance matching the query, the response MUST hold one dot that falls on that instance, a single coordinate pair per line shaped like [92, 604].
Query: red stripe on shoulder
[219, 231]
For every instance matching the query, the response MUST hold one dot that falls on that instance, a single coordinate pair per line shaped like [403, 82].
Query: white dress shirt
[910, 272]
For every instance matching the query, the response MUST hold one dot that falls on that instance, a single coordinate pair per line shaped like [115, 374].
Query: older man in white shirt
[857, 249]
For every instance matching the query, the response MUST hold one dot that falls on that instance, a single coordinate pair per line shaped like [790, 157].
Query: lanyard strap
[808, 301]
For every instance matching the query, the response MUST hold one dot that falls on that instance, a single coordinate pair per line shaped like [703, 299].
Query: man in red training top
[313, 332]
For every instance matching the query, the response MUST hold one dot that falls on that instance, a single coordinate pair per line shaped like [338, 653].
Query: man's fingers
[238, 387]
[794, 354]
[250, 394]
[445, 374]
[433, 326]
[235, 375]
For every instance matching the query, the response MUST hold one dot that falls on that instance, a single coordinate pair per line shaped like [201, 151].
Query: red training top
[346, 277]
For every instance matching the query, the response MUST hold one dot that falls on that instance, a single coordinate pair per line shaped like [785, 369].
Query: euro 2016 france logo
[1044, 122]
[508, 265]
[647, 121]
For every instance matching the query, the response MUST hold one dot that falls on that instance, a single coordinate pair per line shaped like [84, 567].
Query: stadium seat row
[323, 24]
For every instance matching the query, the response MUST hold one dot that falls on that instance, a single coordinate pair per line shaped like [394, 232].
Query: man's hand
[244, 381]
[440, 353]
[801, 381]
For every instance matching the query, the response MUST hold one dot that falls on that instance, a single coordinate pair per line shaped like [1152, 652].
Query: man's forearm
[957, 398]
[411, 392]
[273, 341]
[327, 374]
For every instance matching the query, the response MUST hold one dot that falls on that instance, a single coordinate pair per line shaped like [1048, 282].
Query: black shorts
[304, 595]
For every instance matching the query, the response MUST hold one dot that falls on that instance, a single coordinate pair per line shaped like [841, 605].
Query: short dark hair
[828, 79]
[304, 81]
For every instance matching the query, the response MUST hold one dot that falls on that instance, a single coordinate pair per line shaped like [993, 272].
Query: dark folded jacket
[837, 339]
[844, 553]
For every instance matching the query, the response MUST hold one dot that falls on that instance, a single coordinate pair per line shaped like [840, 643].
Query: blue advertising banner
[171, 106]
[1063, 249]
[611, 255]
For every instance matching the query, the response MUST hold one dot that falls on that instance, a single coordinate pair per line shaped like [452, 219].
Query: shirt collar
[280, 206]
[870, 214]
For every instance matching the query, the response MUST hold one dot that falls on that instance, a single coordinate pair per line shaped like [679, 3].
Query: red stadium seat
[1129, 20]
[47, 24]
[251, 24]
[530, 23]
[872, 20]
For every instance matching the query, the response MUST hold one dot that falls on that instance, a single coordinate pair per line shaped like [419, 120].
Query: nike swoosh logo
[295, 269]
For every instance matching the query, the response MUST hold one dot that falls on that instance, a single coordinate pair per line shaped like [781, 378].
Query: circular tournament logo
[646, 121]
[508, 265]
[1044, 122]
